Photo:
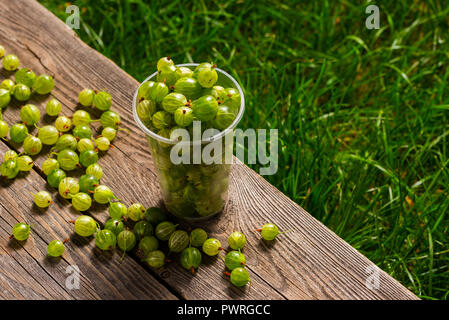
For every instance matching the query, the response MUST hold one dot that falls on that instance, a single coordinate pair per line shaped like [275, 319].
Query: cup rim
[218, 136]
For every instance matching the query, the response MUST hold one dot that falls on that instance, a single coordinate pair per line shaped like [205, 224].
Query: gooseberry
[173, 101]
[21, 231]
[191, 259]
[197, 237]
[168, 75]
[18, 133]
[269, 231]
[146, 109]
[55, 248]
[7, 84]
[144, 90]
[86, 97]
[85, 226]
[178, 241]
[66, 141]
[207, 77]
[42, 199]
[117, 210]
[63, 124]
[184, 72]
[116, 226]
[109, 133]
[110, 119]
[161, 119]
[25, 76]
[55, 177]
[53, 107]
[236, 240]
[164, 230]
[95, 170]
[81, 117]
[68, 159]
[189, 87]
[155, 259]
[158, 91]
[81, 201]
[4, 129]
[44, 84]
[205, 108]
[5, 98]
[184, 116]
[2, 51]
[21, 92]
[9, 169]
[88, 183]
[49, 165]
[240, 277]
[102, 101]
[105, 239]
[224, 117]
[155, 216]
[126, 240]
[164, 61]
[136, 212]
[85, 144]
[11, 62]
[88, 157]
[234, 259]
[102, 143]
[32, 145]
[68, 187]
[212, 246]
[10, 155]
[49, 135]
[232, 99]
[148, 244]
[142, 229]
[25, 163]
[82, 131]
[103, 194]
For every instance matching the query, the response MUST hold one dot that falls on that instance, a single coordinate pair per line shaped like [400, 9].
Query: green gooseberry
[68, 159]
[203, 65]
[85, 226]
[205, 108]
[109, 133]
[105, 239]
[81, 117]
[164, 230]
[178, 241]
[55, 177]
[166, 134]
[68, 187]
[32, 145]
[173, 101]
[232, 99]
[42, 199]
[66, 141]
[155, 215]
[207, 77]
[235, 259]
[236, 240]
[86, 97]
[240, 277]
[189, 87]
[81, 201]
[164, 61]
[85, 144]
[126, 240]
[136, 212]
[10, 155]
[88, 183]
[184, 72]
[18, 133]
[11, 62]
[158, 91]
[218, 92]
[190, 193]
[7, 84]
[197, 237]
[116, 226]
[53, 107]
[212, 246]
[168, 75]
[184, 116]
[110, 119]
[155, 259]
[25, 76]
[103, 194]
[148, 244]
[49, 135]
[207, 207]
[269, 231]
[49, 165]
[82, 131]
[162, 119]
[55, 248]
[2, 51]
[102, 143]
[146, 109]
[95, 170]
[191, 259]
[4, 129]
[102, 101]
[144, 90]
[44, 84]
[142, 229]
[25, 163]
[5, 98]
[21, 92]
[88, 157]
[224, 118]
[117, 210]
[21, 231]
[63, 124]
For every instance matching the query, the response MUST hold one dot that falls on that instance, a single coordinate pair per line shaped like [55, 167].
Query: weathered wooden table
[310, 262]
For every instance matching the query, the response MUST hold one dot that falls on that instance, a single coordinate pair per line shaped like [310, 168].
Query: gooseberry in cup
[95, 170]
[235, 259]
[102, 143]
[18, 133]
[146, 109]
[178, 241]
[155, 215]
[86, 97]
[162, 119]
[191, 259]
[7, 84]
[110, 119]
[102, 101]
[11, 62]
[232, 99]
[224, 118]
[205, 108]
[184, 116]
[142, 229]
[184, 72]
[116, 226]
[117, 210]
[168, 75]
[163, 62]
[55, 177]
[25, 76]
[158, 91]
[173, 101]
[88, 183]
[189, 87]
[55, 248]
[105, 239]
[9, 169]
[25, 163]
[103, 194]
[144, 90]
[44, 84]
[81, 117]
[240, 277]
[148, 244]
[212, 246]
[21, 231]
[10, 155]
[63, 124]
[136, 211]
[53, 107]
[4, 129]
[21, 92]
[126, 240]
[66, 141]
[155, 259]
[49, 135]
[85, 226]
[82, 131]
[5, 98]
[68, 187]
[49, 165]
[88, 157]
[197, 237]
[236, 240]
[42, 199]
[164, 230]
[81, 201]
[68, 159]
[85, 144]
[32, 145]
[207, 77]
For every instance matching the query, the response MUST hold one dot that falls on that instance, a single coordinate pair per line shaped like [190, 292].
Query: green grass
[362, 114]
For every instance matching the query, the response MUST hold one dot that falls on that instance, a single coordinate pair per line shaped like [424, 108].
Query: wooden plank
[309, 262]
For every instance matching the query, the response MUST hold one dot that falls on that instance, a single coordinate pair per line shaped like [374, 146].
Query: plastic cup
[194, 191]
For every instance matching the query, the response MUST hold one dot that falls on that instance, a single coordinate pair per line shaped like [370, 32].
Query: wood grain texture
[310, 262]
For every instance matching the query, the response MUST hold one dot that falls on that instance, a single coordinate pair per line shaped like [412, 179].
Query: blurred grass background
[362, 114]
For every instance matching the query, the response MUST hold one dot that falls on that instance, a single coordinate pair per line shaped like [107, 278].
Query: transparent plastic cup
[193, 191]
